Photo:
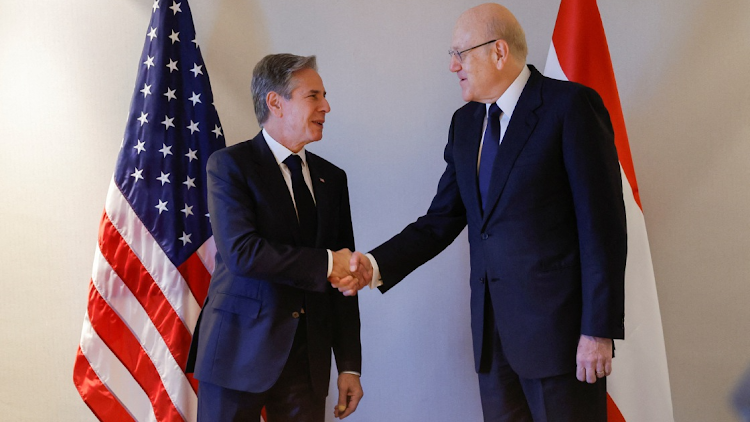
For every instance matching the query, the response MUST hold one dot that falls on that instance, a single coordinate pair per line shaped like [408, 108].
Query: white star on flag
[185, 238]
[175, 7]
[168, 122]
[152, 34]
[187, 210]
[196, 98]
[137, 174]
[162, 206]
[164, 178]
[170, 94]
[146, 90]
[156, 5]
[193, 127]
[191, 155]
[172, 65]
[175, 37]
[197, 69]
[190, 182]
[149, 62]
[139, 147]
[166, 150]
[217, 131]
[143, 119]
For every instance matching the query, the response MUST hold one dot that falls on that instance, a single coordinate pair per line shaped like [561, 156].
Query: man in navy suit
[278, 213]
[533, 171]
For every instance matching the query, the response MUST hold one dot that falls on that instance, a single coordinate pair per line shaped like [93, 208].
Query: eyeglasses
[457, 54]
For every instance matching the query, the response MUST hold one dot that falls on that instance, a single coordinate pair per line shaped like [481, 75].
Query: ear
[274, 103]
[502, 52]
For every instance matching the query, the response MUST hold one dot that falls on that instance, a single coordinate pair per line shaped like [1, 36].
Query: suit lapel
[519, 130]
[324, 197]
[274, 183]
[465, 159]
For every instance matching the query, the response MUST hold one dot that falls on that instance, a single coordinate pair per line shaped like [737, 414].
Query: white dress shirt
[280, 152]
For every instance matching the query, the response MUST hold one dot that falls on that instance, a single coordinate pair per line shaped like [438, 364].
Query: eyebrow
[315, 91]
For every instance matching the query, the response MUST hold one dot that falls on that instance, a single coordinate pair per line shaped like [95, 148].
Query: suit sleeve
[244, 251]
[594, 173]
[347, 348]
[423, 239]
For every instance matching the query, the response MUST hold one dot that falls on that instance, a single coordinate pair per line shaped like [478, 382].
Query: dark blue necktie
[490, 146]
[306, 213]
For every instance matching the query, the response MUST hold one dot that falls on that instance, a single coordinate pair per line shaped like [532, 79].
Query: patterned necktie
[306, 212]
[490, 145]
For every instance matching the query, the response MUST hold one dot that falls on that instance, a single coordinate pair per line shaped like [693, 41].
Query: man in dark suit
[271, 318]
[533, 171]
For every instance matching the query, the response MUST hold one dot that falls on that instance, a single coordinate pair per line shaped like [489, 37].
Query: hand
[359, 274]
[361, 269]
[350, 393]
[341, 265]
[593, 359]
[341, 275]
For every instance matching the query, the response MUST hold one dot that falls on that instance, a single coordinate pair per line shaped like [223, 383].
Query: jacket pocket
[239, 305]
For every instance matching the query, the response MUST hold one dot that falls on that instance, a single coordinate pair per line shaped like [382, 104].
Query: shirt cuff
[330, 262]
[376, 280]
[351, 372]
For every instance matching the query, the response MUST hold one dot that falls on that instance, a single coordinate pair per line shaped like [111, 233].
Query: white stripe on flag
[552, 68]
[641, 360]
[126, 305]
[207, 254]
[114, 375]
[153, 258]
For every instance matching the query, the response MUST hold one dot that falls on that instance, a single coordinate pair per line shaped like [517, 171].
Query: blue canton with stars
[172, 129]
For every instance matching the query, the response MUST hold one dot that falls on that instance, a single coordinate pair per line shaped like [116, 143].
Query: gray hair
[512, 33]
[274, 74]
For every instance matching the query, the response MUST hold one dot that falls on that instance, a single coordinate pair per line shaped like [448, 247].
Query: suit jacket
[551, 243]
[263, 278]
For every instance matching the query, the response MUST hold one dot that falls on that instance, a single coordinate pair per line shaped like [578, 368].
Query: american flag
[155, 251]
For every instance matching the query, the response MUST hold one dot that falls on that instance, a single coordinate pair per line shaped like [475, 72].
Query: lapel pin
[322, 180]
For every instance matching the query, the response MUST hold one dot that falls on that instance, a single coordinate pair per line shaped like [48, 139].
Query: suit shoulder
[467, 110]
[324, 165]
[231, 154]
[567, 91]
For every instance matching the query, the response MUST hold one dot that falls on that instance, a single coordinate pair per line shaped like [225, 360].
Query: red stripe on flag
[613, 412]
[582, 51]
[130, 269]
[123, 344]
[193, 382]
[96, 395]
[196, 276]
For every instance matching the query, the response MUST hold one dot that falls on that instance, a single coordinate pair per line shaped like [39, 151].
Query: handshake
[351, 271]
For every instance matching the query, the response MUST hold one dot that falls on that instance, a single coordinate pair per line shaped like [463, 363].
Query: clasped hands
[351, 271]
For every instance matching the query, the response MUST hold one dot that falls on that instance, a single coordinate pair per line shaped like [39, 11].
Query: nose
[454, 65]
[325, 106]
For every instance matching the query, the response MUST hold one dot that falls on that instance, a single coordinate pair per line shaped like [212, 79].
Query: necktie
[306, 213]
[490, 146]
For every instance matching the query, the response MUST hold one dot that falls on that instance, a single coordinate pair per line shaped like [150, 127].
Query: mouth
[319, 122]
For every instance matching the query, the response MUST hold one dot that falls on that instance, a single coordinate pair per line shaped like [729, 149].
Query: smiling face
[303, 115]
[477, 72]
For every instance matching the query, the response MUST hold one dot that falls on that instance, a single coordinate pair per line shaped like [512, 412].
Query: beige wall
[67, 71]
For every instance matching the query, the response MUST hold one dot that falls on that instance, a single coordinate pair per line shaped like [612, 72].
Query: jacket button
[485, 236]
[295, 314]
[481, 280]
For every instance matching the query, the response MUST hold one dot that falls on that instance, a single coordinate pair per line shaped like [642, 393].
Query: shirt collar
[507, 102]
[280, 152]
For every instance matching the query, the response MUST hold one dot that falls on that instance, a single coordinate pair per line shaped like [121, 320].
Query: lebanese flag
[639, 385]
